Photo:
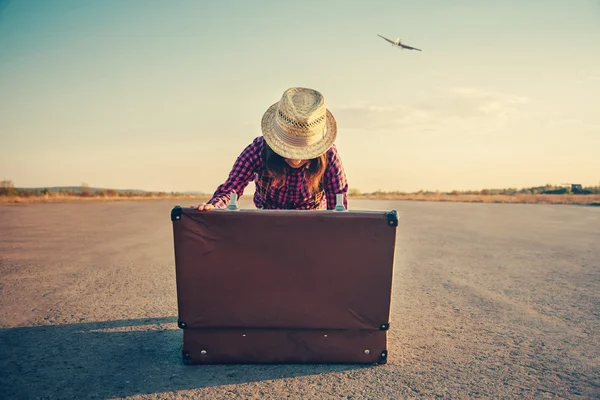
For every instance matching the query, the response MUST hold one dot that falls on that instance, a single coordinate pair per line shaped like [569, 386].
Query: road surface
[489, 300]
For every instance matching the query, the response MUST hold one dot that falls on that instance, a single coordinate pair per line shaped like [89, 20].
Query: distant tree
[7, 188]
[85, 190]
[354, 192]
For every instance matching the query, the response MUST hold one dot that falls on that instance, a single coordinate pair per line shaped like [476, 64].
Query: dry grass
[53, 198]
[591, 199]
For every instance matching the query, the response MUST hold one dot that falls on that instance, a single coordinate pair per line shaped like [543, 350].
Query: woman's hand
[203, 207]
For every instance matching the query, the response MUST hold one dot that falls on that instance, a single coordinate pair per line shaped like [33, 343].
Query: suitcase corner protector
[383, 357]
[176, 213]
[392, 218]
[181, 324]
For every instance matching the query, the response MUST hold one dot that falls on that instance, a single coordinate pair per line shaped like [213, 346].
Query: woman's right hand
[203, 207]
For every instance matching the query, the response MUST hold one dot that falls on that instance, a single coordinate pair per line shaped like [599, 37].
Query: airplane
[398, 43]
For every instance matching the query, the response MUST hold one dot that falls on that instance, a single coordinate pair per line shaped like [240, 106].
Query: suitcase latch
[233, 202]
[339, 202]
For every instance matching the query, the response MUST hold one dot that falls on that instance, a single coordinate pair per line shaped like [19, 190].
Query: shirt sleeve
[335, 181]
[242, 173]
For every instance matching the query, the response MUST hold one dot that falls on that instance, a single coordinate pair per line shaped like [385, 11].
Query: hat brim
[287, 150]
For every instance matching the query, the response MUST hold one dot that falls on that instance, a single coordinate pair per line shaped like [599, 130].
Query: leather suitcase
[284, 286]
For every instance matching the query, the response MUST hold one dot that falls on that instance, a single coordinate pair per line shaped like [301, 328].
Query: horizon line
[202, 192]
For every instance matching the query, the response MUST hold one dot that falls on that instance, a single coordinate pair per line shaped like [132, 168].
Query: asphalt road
[489, 300]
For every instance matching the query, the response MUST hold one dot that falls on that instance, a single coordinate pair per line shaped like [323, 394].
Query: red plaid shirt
[294, 194]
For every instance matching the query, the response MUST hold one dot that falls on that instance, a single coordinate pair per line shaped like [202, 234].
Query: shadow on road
[117, 359]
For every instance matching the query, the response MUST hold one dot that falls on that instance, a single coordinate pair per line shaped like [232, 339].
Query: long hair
[277, 167]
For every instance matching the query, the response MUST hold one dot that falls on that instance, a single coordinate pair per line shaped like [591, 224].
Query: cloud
[371, 117]
[468, 110]
[562, 122]
[586, 76]
[572, 125]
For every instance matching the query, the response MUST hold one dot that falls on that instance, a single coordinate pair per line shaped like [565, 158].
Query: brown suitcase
[284, 286]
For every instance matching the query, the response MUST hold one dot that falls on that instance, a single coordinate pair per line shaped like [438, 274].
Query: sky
[163, 96]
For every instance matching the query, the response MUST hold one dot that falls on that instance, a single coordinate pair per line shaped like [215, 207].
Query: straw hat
[299, 126]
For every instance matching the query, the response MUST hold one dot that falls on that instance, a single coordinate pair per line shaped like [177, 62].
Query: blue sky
[163, 95]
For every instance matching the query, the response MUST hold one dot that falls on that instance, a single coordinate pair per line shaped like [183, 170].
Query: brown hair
[276, 167]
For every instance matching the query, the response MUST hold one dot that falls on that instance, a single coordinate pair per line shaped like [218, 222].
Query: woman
[294, 164]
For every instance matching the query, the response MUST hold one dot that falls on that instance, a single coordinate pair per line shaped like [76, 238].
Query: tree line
[7, 188]
[546, 189]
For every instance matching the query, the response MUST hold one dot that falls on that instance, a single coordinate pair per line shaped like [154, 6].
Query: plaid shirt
[294, 194]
